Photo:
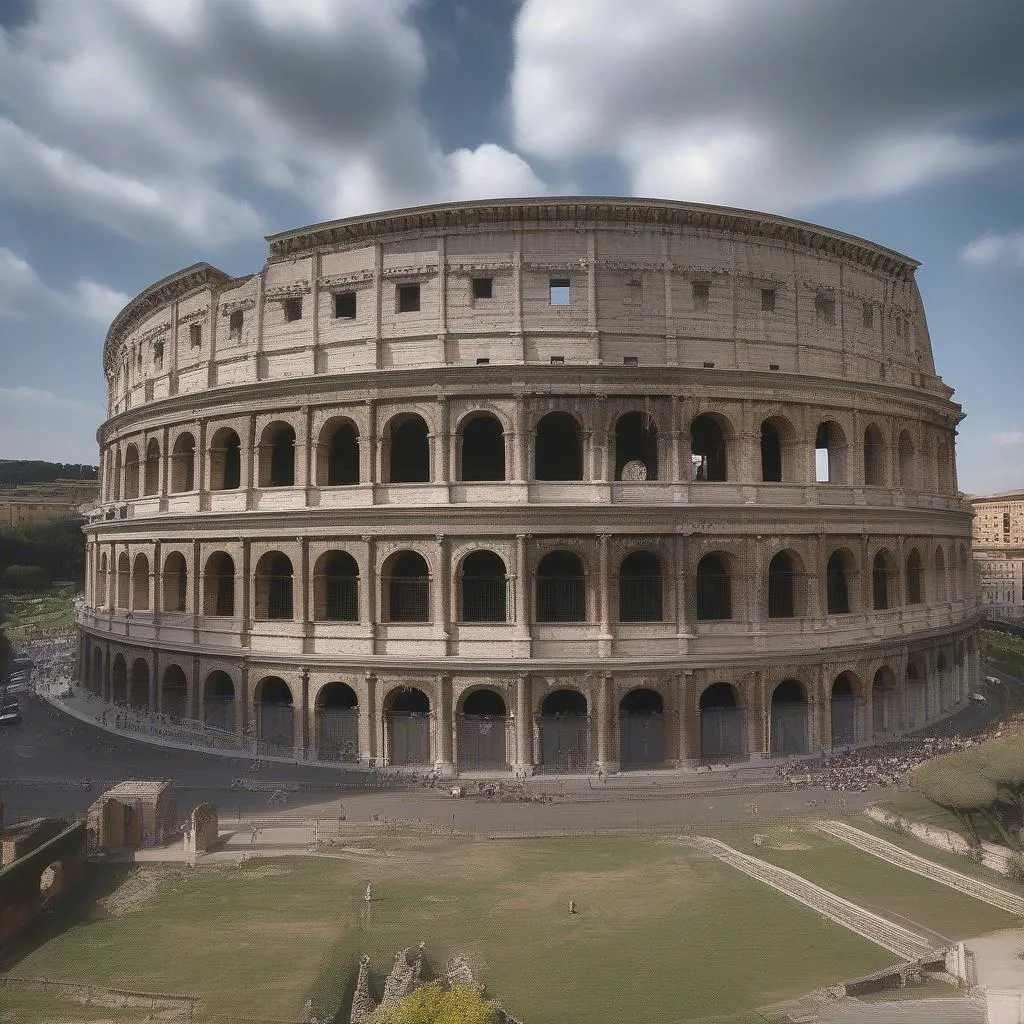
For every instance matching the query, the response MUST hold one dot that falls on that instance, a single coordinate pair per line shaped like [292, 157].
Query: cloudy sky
[139, 136]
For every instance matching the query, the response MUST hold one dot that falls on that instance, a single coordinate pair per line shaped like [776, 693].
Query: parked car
[978, 698]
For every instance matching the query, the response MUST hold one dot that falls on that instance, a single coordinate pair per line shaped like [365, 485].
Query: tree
[23, 577]
[432, 1004]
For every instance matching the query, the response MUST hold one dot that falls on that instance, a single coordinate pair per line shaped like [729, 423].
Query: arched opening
[183, 464]
[131, 472]
[51, 884]
[830, 454]
[905, 456]
[277, 455]
[138, 685]
[558, 449]
[483, 588]
[940, 575]
[337, 454]
[789, 719]
[943, 468]
[219, 702]
[482, 731]
[917, 697]
[561, 588]
[124, 578]
[915, 582]
[883, 702]
[140, 583]
[882, 574]
[175, 583]
[778, 443]
[119, 680]
[839, 575]
[225, 461]
[336, 713]
[843, 710]
[274, 586]
[174, 692]
[406, 588]
[152, 474]
[481, 449]
[97, 671]
[275, 716]
[714, 589]
[641, 729]
[408, 726]
[783, 580]
[708, 451]
[219, 585]
[336, 587]
[407, 450]
[874, 456]
[721, 724]
[640, 588]
[636, 447]
[564, 732]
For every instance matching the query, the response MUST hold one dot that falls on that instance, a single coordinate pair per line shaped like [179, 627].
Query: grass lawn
[34, 614]
[907, 898]
[22, 1006]
[662, 933]
[1007, 654]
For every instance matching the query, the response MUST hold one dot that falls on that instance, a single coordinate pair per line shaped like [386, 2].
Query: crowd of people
[860, 770]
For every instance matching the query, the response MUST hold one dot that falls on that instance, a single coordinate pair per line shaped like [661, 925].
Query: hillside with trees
[17, 472]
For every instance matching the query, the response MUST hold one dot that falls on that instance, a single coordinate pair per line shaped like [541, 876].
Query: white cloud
[1008, 437]
[98, 302]
[21, 290]
[991, 248]
[158, 117]
[769, 105]
[62, 429]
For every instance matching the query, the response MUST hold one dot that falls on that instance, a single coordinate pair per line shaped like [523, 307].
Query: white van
[979, 698]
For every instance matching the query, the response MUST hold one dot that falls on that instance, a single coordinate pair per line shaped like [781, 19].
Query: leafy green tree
[434, 1005]
[23, 577]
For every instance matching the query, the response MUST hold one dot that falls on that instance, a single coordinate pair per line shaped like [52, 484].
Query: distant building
[998, 536]
[27, 504]
[999, 521]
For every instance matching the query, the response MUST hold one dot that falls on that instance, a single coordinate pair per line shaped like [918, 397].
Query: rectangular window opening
[235, 326]
[557, 360]
[195, 335]
[483, 287]
[345, 306]
[630, 360]
[292, 309]
[767, 300]
[158, 353]
[701, 295]
[825, 308]
[773, 366]
[408, 298]
[709, 366]
[559, 291]
[482, 361]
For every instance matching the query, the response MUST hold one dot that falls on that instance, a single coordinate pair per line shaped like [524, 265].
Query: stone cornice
[237, 305]
[280, 292]
[340, 280]
[589, 212]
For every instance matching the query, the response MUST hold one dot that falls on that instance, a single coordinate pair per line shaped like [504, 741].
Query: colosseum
[569, 484]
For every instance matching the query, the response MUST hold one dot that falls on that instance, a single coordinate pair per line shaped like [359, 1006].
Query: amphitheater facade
[533, 485]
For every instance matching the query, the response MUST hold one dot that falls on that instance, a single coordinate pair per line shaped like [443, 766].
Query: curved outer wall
[533, 485]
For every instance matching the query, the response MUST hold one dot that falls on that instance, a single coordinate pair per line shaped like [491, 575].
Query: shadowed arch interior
[406, 588]
[482, 731]
[225, 460]
[407, 450]
[641, 728]
[174, 692]
[713, 589]
[789, 718]
[483, 588]
[561, 588]
[336, 714]
[640, 588]
[219, 585]
[275, 715]
[843, 710]
[721, 724]
[481, 449]
[708, 449]
[219, 701]
[408, 726]
[636, 441]
[558, 449]
[336, 587]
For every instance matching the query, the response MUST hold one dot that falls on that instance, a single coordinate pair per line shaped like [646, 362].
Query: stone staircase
[894, 854]
[913, 1011]
[901, 941]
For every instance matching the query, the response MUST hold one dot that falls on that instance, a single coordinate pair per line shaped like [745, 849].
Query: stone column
[524, 727]
[607, 759]
[442, 597]
[301, 717]
[603, 600]
[155, 689]
[369, 726]
[246, 588]
[368, 597]
[439, 444]
[443, 762]
[522, 592]
[243, 713]
[249, 458]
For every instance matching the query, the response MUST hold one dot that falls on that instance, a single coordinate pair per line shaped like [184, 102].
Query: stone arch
[883, 580]
[151, 477]
[721, 723]
[405, 590]
[483, 587]
[561, 588]
[174, 692]
[219, 585]
[874, 455]
[225, 460]
[482, 730]
[337, 453]
[906, 461]
[914, 578]
[336, 714]
[140, 582]
[336, 587]
[274, 586]
[840, 577]
[275, 716]
[843, 709]
[481, 447]
[779, 451]
[219, 701]
[175, 583]
[124, 580]
[884, 702]
[138, 685]
[789, 718]
[709, 447]
[642, 728]
[636, 442]
[641, 587]
[183, 463]
[564, 731]
[786, 591]
[131, 472]
[714, 587]
[406, 454]
[830, 448]
[277, 455]
[407, 719]
[119, 680]
[558, 447]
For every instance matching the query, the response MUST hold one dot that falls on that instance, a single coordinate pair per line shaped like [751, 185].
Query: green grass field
[35, 614]
[662, 933]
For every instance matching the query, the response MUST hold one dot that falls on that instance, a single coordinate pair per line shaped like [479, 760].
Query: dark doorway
[564, 732]
[721, 724]
[483, 449]
[408, 724]
[337, 723]
[558, 453]
[641, 729]
[482, 728]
